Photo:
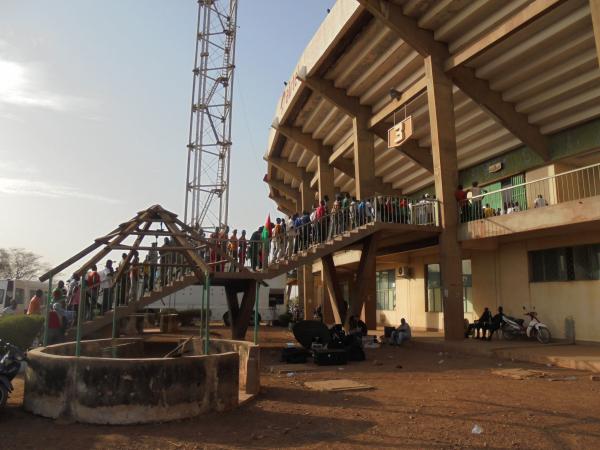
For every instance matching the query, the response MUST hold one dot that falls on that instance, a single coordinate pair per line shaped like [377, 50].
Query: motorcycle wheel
[543, 335]
[3, 396]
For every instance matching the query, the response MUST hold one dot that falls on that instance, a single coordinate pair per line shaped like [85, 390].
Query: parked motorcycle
[512, 327]
[10, 364]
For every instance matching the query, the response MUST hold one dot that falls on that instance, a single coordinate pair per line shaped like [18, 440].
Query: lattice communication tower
[209, 146]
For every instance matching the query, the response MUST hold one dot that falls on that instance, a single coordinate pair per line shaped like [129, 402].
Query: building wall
[501, 278]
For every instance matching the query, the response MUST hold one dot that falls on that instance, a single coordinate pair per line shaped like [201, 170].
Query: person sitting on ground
[479, 324]
[357, 326]
[402, 333]
[11, 309]
[494, 324]
[539, 202]
[488, 211]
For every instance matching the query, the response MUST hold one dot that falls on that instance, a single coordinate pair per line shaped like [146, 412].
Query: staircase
[99, 322]
[317, 251]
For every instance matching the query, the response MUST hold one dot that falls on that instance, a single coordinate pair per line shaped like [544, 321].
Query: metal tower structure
[209, 145]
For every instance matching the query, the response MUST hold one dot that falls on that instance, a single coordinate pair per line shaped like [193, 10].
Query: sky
[94, 112]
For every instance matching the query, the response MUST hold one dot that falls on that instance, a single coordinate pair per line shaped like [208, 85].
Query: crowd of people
[471, 206]
[286, 236]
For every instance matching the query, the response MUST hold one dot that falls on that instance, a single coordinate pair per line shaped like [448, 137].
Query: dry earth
[421, 400]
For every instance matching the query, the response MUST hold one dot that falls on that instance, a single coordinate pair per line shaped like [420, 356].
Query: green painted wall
[565, 143]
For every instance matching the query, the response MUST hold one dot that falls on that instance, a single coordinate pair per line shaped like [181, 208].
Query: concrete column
[445, 171]
[595, 13]
[325, 302]
[364, 157]
[308, 290]
[306, 282]
[325, 178]
[307, 197]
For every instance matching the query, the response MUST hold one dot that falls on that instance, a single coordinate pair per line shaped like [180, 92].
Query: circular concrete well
[124, 381]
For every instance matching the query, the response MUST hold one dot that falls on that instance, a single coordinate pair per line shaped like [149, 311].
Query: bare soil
[421, 400]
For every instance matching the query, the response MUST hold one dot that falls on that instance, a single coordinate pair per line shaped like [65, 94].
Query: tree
[20, 264]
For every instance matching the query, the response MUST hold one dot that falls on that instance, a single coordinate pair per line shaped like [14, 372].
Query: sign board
[400, 132]
[493, 168]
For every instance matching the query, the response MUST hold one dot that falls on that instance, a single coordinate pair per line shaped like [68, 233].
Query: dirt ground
[421, 400]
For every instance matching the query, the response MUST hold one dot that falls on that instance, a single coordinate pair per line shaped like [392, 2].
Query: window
[19, 295]
[386, 290]
[2, 297]
[579, 263]
[433, 283]
[467, 286]
[434, 287]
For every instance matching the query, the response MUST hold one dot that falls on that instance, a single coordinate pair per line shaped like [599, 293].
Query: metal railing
[310, 230]
[567, 186]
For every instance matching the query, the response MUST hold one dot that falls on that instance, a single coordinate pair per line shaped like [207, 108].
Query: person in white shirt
[402, 333]
[516, 208]
[10, 310]
[106, 276]
[539, 202]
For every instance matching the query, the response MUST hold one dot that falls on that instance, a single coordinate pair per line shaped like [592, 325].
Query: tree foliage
[20, 264]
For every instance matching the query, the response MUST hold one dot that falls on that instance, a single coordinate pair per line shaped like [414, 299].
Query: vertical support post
[202, 309]
[79, 316]
[325, 178]
[113, 300]
[207, 314]
[256, 304]
[445, 171]
[595, 13]
[47, 311]
[364, 157]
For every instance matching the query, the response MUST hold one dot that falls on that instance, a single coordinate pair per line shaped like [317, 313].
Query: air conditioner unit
[404, 272]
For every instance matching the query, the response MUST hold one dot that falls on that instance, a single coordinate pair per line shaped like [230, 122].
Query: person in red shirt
[461, 198]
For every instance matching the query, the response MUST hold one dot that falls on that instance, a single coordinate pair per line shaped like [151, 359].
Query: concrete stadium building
[502, 93]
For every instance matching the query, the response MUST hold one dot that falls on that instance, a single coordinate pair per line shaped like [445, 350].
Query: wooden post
[325, 178]
[595, 13]
[333, 290]
[364, 157]
[445, 170]
[366, 304]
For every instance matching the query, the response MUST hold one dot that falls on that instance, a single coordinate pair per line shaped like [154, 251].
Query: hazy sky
[94, 111]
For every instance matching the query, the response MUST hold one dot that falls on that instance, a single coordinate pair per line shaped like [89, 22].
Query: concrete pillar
[445, 171]
[307, 197]
[595, 13]
[325, 178]
[364, 157]
[328, 316]
[308, 290]
[306, 282]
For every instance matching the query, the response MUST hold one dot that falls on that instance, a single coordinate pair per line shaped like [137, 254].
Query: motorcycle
[512, 327]
[10, 364]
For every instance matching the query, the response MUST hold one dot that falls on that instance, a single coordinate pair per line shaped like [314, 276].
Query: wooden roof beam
[285, 189]
[392, 16]
[284, 165]
[595, 13]
[284, 204]
[315, 146]
[503, 31]
[352, 107]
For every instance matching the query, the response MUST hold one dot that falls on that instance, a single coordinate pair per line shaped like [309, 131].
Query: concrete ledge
[129, 388]
[559, 354]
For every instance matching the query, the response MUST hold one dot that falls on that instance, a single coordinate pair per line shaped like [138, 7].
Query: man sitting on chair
[480, 324]
[402, 333]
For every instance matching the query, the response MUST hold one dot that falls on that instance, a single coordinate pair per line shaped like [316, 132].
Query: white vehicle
[270, 302]
[512, 327]
[21, 291]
